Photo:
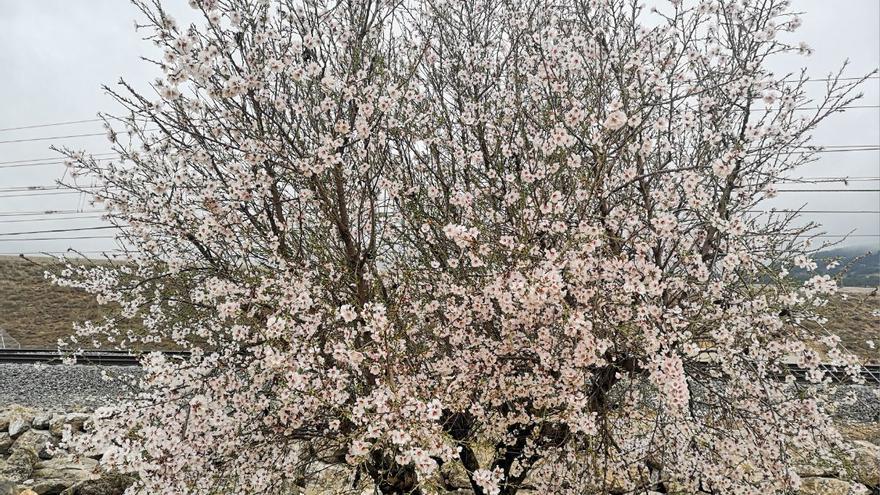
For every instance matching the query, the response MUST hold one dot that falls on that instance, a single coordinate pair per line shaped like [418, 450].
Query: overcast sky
[55, 54]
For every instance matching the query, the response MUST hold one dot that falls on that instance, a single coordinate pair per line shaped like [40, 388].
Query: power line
[47, 212]
[30, 220]
[836, 150]
[833, 177]
[71, 250]
[845, 180]
[807, 109]
[50, 138]
[68, 136]
[876, 148]
[836, 236]
[829, 79]
[57, 238]
[50, 158]
[49, 163]
[848, 212]
[84, 121]
[52, 231]
[47, 193]
[827, 190]
[839, 145]
[39, 188]
[54, 124]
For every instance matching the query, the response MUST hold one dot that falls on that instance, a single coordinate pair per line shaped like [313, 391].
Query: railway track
[94, 358]
[870, 373]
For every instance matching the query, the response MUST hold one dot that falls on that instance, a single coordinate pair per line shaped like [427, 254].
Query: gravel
[66, 387]
[74, 387]
[858, 403]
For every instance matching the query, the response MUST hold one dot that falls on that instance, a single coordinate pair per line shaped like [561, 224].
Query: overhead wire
[14, 239]
[46, 212]
[53, 124]
[63, 219]
[51, 138]
[51, 158]
[53, 231]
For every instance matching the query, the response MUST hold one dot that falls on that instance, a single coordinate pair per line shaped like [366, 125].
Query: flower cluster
[518, 237]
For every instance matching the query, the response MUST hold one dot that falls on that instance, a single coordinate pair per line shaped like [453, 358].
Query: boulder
[40, 442]
[18, 426]
[16, 419]
[7, 487]
[68, 469]
[49, 487]
[41, 421]
[866, 463]
[869, 432]
[5, 442]
[454, 476]
[107, 484]
[75, 420]
[818, 470]
[19, 465]
[28, 491]
[859, 489]
[823, 486]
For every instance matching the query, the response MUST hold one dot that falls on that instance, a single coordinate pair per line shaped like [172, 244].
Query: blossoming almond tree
[514, 238]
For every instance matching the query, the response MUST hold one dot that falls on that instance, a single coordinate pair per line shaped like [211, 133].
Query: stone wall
[32, 461]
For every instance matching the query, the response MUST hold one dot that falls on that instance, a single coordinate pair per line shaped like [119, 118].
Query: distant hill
[36, 313]
[857, 267]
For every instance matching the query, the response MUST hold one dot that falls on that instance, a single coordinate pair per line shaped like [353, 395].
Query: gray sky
[55, 55]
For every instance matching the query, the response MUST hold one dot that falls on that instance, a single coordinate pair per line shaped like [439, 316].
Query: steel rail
[95, 358]
[870, 373]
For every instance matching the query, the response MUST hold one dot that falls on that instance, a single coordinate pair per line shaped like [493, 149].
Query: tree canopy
[511, 237]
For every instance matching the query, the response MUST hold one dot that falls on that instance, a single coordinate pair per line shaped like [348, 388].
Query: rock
[454, 475]
[75, 420]
[19, 425]
[823, 486]
[28, 491]
[859, 489]
[16, 419]
[49, 487]
[869, 432]
[866, 463]
[68, 469]
[818, 470]
[40, 442]
[19, 465]
[7, 487]
[78, 421]
[41, 421]
[107, 484]
[56, 425]
[5, 442]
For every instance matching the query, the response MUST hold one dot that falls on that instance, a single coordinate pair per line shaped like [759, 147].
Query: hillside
[856, 266]
[34, 311]
[38, 313]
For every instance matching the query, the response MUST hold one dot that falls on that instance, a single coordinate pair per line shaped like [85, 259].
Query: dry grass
[34, 311]
[38, 313]
[854, 316]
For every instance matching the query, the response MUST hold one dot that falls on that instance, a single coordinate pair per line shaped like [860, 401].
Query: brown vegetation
[34, 311]
[37, 313]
